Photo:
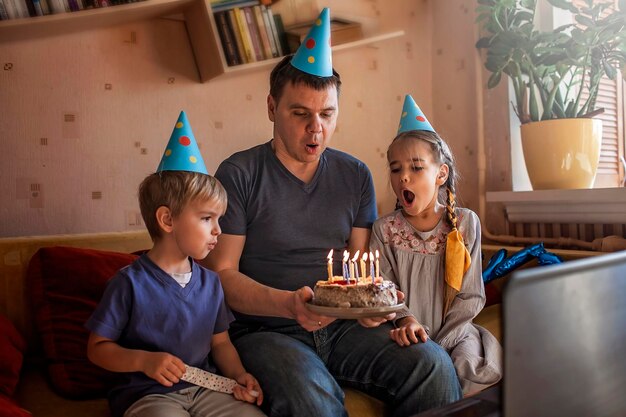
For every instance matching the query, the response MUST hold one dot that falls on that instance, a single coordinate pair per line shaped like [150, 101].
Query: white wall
[151, 81]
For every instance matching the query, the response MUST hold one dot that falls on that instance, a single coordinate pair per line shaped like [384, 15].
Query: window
[611, 98]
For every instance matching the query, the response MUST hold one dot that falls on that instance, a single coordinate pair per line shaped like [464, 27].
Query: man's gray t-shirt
[290, 226]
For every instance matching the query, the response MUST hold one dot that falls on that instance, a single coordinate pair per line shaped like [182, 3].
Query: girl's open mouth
[408, 196]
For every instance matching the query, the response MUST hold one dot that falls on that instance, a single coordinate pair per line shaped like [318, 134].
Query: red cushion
[8, 408]
[66, 285]
[493, 294]
[12, 348]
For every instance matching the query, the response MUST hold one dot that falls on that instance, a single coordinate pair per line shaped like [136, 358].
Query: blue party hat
[314, 54]
[182, 153]
[412, 117]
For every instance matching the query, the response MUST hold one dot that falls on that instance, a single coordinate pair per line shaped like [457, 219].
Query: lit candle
[330, 265]
[363, 260]
[354, 274]
[377, 264]
[344, 266]
[372, 266]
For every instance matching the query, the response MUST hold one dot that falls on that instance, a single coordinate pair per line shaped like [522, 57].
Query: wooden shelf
[57, 24]
[344, 46]
[198, 17]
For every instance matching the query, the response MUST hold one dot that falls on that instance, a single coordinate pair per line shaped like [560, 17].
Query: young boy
[165, 311]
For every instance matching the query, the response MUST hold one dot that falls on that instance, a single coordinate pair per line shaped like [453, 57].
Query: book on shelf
[246, 39]
[73, 4]
[270, 31]
[232, 20]
[253, 29]
[16, 9]
[56, 6]
[30, 8]
[3, 11]
[260, 23]
[45, 7]
[38, 6]
[9, 9]
[227, 38]
[229, 4]
[341, 31]
[280, 34]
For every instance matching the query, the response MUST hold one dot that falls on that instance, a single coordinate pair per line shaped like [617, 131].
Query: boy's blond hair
[175, 190]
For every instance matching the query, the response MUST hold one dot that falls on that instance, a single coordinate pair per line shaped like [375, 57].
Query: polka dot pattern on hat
[314, 54]
[412, 117]
[182, 152]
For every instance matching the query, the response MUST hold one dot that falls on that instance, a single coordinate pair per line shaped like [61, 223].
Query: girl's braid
[450, 207]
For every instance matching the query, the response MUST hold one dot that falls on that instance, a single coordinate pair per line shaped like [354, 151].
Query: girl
[424, 249]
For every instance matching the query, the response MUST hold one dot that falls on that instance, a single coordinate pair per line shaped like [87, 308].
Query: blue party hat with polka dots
[412, 117]
[314, 54]
[182, 152]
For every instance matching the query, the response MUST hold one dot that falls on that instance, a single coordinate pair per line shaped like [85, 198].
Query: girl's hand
[376, 321]
[163, 367]
[409, 332]
[248, 389]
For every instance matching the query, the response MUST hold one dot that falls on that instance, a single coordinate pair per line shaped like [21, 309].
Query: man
[290, 201]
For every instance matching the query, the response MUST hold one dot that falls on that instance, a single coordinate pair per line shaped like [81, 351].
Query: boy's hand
[410, 331]
[164, 368]
[248, 389]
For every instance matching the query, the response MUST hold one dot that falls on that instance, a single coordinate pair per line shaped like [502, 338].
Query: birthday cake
[353, 293]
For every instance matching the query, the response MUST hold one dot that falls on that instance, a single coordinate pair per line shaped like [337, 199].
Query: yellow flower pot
[562, 153]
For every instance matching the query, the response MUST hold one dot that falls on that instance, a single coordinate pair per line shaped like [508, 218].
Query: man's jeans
[300, 371]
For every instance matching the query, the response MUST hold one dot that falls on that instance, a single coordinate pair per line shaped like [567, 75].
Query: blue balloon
[488, 272]
[499, 265]
[520, 258]
[548, 258]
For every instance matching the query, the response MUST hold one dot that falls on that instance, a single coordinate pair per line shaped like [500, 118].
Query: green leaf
[584, 20]
[494, 79]
[483, 42]
[611, 72]
[564, 4]
[541, 63]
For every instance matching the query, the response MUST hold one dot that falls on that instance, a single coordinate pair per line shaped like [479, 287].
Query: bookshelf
[209, 56]
[62, 23]
[240, 69]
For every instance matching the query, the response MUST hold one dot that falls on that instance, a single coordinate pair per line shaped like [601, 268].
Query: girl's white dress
[415, 261]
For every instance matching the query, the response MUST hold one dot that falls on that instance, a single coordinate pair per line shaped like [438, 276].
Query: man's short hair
[175, 190]
[284, 72]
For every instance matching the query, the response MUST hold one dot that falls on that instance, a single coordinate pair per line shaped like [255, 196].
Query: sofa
[48, 287]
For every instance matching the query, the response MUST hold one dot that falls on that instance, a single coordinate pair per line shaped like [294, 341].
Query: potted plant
[556, 77]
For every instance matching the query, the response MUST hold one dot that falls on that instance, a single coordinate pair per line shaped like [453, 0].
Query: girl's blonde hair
[441, 155]
[175, 190]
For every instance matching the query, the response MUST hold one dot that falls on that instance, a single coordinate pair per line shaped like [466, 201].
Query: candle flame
[330, 255]
[377, 254]
[372, 256]
[364, 256]
[346, 256]
[356, 256]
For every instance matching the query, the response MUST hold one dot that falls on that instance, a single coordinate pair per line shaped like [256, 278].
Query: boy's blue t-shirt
[145, 308]
[290, 226]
